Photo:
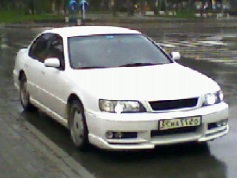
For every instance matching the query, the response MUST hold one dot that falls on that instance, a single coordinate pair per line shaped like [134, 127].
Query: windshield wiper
[138, 64]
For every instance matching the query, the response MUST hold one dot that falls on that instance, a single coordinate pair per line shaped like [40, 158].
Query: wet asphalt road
[216, 58]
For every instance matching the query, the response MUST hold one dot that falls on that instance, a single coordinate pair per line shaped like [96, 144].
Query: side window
[38, 49]
[56, 49]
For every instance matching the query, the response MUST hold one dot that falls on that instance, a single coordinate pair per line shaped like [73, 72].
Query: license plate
[166, 124]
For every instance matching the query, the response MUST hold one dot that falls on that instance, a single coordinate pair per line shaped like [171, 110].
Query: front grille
[183, 130]
[173, 104]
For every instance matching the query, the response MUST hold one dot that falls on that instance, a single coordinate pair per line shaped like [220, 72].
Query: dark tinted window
[56, 49]
[38, 49]
[114, 51]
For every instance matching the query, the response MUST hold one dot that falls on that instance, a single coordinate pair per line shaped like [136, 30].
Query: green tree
[142, 5]
[31, 5]
[57, 6]
[115, 7]
[95, 5]
[105, 4]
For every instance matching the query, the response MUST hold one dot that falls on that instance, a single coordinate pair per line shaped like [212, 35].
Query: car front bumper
[145, 128]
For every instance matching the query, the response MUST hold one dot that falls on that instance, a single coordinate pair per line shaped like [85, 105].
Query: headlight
[213, 98]
[120, 106]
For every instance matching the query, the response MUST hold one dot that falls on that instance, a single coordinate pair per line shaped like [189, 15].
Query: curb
[65, 162]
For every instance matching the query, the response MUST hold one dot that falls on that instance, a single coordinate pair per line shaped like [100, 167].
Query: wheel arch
[21, 74]
[27, 105]
[70, 99]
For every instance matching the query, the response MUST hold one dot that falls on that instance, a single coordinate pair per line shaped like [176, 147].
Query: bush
[20, 16]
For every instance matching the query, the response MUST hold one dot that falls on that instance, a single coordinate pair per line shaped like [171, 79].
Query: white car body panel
[50, 89]
[53, 88]
[150, 83]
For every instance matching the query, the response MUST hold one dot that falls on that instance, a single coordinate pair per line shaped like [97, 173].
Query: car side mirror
[175, 55]
[52, 62]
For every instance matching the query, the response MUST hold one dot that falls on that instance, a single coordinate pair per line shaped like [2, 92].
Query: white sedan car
[117, 89]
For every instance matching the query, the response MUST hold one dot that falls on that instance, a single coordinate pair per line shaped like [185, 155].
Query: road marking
[191, 44]
[211, 50]
[167, 45]
[214, 43]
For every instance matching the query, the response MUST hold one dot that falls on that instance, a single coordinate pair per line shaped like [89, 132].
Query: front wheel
[77, 125]
[24, 95]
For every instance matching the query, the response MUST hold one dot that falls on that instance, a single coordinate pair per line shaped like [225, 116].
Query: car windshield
[103, 51]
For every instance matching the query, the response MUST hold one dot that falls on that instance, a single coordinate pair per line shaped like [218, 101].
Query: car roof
[90, 30]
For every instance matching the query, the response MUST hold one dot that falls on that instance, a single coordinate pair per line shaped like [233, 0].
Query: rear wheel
[77, 125]
[24, 95]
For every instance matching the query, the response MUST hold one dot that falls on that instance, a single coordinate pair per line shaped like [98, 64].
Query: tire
[78, 126]
[24, 95]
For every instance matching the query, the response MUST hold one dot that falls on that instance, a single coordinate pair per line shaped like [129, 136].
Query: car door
[54, 80]
[34, 64]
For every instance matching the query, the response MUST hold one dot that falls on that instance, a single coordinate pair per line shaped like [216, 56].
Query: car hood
[148, 83]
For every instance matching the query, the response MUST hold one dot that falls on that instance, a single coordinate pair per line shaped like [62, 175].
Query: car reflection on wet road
[216, 159]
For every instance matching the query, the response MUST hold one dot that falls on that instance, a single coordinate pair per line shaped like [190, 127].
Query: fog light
[219, 124]
[222, 123]
[109, 135]
[118, 135]
[225, 122]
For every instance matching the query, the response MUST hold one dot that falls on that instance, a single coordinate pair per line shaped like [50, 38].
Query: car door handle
[42, 72]
[25, 65]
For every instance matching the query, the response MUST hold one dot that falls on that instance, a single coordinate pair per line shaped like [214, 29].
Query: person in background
[72, 5]
[83, 6]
